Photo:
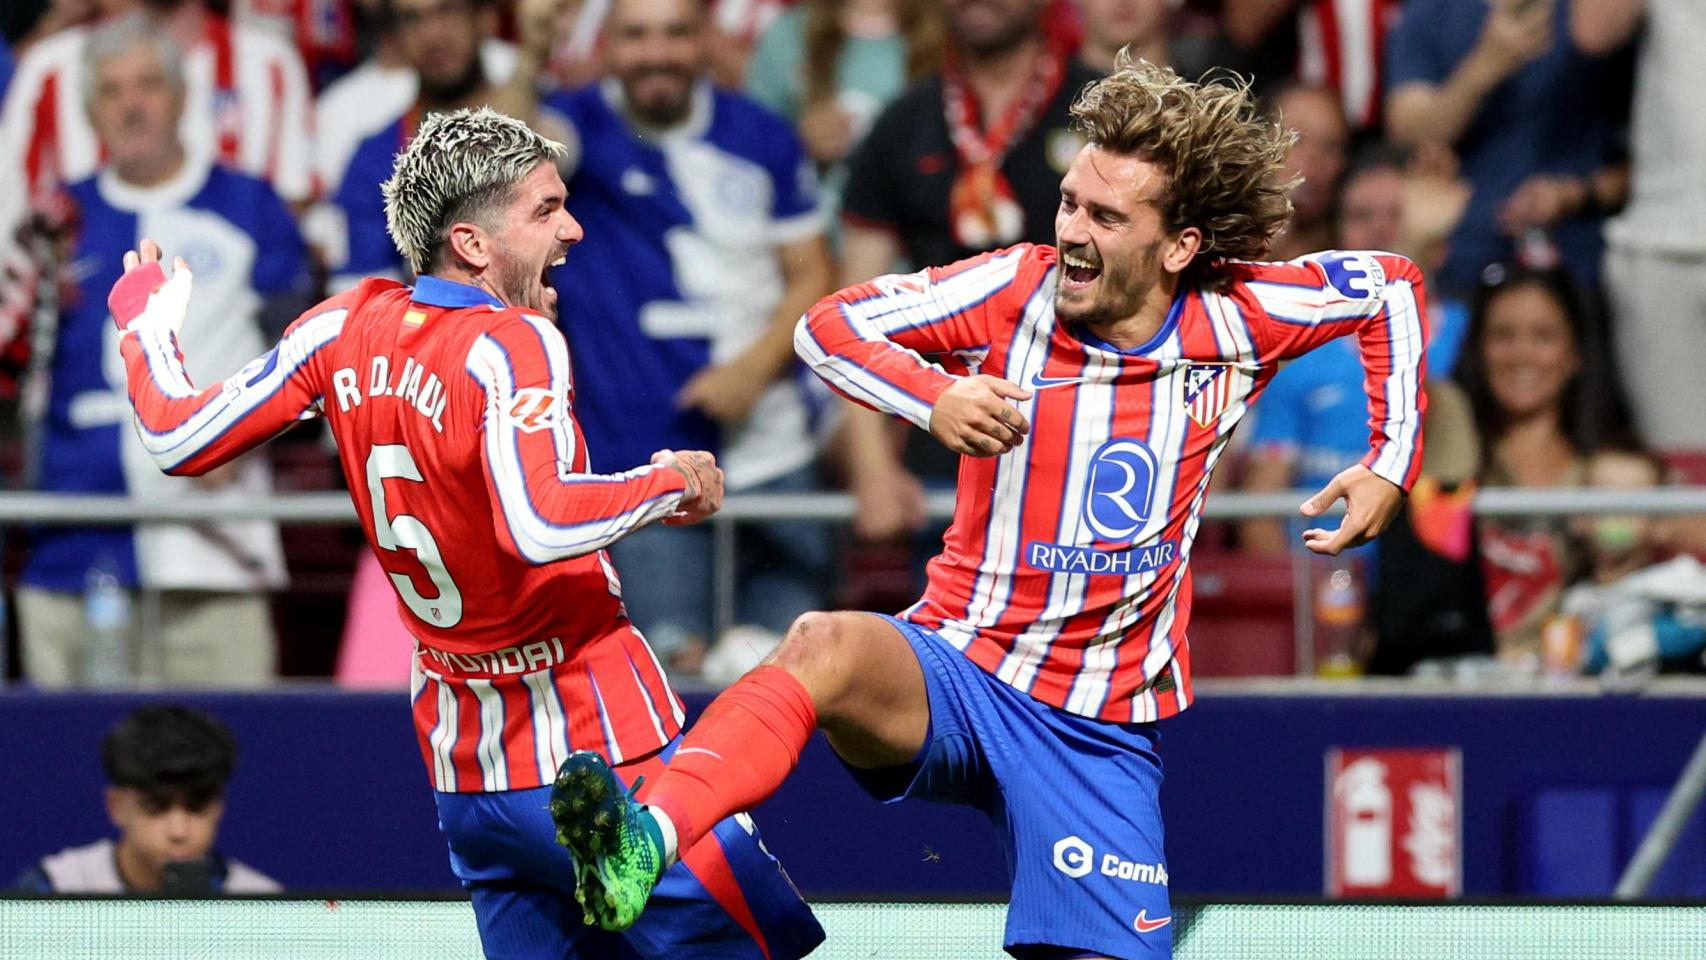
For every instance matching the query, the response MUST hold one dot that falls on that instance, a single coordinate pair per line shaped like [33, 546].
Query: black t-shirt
[902, 173]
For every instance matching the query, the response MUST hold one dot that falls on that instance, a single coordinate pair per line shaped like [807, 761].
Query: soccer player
[451, 404]
[1090, 387]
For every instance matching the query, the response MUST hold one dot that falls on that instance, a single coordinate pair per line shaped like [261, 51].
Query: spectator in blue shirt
[213, 622]
[440, 42]
[704, 245]
[1531, 118]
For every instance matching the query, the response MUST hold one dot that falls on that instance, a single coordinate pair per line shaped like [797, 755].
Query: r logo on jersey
[1121, 491]
[1355, 276]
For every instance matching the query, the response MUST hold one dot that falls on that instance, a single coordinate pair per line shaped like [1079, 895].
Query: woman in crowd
[1543, 400]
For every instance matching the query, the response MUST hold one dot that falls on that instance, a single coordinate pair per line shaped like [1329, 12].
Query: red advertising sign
[1394, 823]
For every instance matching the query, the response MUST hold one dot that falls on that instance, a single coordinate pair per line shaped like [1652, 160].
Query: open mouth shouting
[1078, 271]
[548, 295]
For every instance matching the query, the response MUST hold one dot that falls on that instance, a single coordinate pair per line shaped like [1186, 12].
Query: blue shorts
[730, 900]
[1073, 799]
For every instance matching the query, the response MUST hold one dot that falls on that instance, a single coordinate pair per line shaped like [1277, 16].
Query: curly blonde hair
[1222, 157]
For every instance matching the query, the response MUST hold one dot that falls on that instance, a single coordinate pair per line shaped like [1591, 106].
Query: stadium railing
[335, 508]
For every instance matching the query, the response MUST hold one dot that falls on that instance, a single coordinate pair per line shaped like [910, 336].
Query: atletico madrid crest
[1208, 390]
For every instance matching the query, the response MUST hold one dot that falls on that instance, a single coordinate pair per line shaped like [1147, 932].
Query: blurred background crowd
[734, 161]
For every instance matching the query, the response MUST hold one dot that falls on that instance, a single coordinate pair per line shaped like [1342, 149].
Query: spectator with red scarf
[971, 158]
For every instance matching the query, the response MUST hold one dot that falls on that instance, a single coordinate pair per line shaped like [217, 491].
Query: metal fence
[335, 508]
[738, 509]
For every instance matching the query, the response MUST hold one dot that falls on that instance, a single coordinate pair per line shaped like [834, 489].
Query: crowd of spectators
[734, 160]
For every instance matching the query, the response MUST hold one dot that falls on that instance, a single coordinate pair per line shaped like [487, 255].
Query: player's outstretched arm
[189, 431]
[546, 509]
[1380, 298]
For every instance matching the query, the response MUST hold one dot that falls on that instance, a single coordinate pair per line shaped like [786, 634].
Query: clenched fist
[973, 417]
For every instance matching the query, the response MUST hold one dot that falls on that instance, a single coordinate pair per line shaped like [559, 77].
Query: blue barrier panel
[330, 792]
[1243, 794]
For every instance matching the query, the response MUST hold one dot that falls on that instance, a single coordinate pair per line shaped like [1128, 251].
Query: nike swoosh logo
[1043, 383]
[1146, 925]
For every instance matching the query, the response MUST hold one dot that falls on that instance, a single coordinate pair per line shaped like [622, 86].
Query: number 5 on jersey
[392, 461]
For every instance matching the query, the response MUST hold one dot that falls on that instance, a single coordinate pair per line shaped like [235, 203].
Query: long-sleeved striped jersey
[1065, 570]
[454, 423]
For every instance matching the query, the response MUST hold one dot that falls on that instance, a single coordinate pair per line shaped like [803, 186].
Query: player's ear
[1178, 250]
[471, 244]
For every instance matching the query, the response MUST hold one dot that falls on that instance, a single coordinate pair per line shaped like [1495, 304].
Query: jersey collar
[1160, 336]
[439, 292]
[176, 191]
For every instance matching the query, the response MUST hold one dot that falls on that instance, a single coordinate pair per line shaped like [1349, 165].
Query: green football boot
[615, 841]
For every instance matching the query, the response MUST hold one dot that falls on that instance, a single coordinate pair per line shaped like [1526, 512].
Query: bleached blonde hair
[1224, 160]
[461, 166]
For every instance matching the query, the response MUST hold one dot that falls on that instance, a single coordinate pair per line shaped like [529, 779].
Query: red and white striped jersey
[454, 423]
[247, 105]
[1342, 44]
[1064, 573]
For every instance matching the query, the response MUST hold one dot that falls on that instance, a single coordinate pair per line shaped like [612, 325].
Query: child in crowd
[1638, 613]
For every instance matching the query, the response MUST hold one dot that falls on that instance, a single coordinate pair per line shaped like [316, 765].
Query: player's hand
[972, 417]
[144, 296]
[1371, 502]
[726, 392]
[146, 252]
[704, 494]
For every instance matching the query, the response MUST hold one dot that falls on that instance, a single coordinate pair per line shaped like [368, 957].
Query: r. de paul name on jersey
[413, 385]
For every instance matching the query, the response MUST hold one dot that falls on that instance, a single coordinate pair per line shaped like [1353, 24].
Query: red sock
[739, 752]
